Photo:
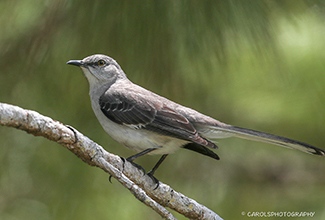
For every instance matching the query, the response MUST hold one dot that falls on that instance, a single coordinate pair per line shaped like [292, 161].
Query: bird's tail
[214, 132]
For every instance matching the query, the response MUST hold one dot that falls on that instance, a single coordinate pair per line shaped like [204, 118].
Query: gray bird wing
[136, 111]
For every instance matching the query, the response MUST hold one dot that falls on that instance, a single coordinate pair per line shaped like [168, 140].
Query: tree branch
[141, 186]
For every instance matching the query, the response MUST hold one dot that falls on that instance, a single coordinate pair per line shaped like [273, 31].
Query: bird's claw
[134, 164]
[150, 174]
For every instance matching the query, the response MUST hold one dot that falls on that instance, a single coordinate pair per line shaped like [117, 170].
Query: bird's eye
[101, 63]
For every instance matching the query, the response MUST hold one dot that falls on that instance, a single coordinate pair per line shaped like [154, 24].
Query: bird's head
[99, 69]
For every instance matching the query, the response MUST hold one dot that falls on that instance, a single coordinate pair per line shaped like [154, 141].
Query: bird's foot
[151, 175]
[134, 164]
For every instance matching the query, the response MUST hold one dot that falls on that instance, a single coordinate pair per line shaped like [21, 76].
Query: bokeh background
[254, 64]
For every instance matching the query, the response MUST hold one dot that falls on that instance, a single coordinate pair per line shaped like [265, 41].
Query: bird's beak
[75, 62]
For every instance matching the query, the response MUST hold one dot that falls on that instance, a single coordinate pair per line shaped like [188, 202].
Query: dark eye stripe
[98, 63]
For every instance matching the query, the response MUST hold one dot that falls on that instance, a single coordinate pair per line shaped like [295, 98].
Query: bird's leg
[152, 172]
[132, 158]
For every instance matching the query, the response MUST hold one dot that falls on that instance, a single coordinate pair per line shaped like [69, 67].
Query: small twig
[141, 186]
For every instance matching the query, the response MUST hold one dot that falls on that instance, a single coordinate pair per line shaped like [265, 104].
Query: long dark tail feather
[202, 150]
[274, 139]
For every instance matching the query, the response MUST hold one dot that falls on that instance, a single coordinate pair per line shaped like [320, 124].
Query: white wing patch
[137, 127]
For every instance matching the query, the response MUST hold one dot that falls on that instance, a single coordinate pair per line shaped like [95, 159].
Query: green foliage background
[255, 64]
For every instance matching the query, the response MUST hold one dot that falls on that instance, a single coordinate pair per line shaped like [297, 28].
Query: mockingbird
[150, 124]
